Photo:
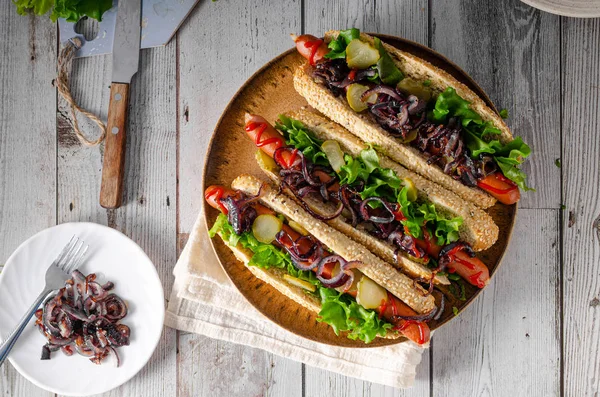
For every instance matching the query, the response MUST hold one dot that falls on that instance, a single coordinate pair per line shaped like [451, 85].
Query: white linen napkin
[201, 286]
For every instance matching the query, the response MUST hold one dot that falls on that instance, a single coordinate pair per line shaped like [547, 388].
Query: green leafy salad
[340, 311]
[71, 10]
[378, 182]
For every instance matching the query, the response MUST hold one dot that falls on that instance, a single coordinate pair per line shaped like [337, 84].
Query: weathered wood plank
[27, 144]
[148, 214]
[406, 19]
[512, 52]
[220, 46]
[508, 341]
[402, 18]
[217, 368]
[79, 167]
[581, 225]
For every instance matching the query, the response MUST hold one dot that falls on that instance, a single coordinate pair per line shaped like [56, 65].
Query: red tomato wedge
[502, 188]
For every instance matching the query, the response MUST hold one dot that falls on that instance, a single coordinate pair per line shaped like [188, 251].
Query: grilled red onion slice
[47, 349]
[307, 260]
[116, 308]
[344, 278]
[407, 244]
[448, 253]
[49, 316]
[115, 355]
[67, 350]
[381, 89]
[416, 105]
[83, 317]
[364, 211]
[345, 195]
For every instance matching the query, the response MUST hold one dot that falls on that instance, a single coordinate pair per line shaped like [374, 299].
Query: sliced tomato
[310, 47]
[471, 269]
[502, 188]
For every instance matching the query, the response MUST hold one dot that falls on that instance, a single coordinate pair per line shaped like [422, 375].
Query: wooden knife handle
[111, 190]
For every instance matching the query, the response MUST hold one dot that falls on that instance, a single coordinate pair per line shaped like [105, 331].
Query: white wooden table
[534, 331]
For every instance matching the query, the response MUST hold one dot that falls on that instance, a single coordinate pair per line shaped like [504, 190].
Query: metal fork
[60, 271]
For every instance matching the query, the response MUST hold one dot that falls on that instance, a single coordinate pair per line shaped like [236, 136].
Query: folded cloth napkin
[200, 288]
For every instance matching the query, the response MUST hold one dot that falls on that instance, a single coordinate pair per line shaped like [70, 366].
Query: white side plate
[113, 257]
[568, 8]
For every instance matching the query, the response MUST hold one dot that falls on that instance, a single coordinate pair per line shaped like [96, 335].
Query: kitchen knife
[125, 63]
[160, 21]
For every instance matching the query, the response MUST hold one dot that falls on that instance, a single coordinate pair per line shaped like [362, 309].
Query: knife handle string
[63, 85]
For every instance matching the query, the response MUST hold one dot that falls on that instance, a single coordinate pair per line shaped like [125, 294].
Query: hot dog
[410, 251]
[419, 115]
[390, 310]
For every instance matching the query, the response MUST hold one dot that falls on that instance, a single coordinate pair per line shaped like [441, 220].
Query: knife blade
[125, 63]
[160, 21]
[126, 46]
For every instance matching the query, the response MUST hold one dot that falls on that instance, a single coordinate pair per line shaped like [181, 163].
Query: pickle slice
[353, 95]
[265, 161]
[370, 294]
[266, 227]
[416, 88]
[334, 154]
[412, 189]
[300, 283]
[361, 55]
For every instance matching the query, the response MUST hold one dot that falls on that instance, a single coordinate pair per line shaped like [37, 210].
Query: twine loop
[65, 58]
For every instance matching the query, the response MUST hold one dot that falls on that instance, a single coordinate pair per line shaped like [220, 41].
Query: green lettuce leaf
[338, 46]
[343, 313]
[340, 311]
[384, 183]
[71, 10]
[265, 255]
[479, 136]
[378, 182]
[296, 134]
[386, 68]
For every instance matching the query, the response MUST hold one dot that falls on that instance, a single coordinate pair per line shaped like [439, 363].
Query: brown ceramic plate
[270, 92]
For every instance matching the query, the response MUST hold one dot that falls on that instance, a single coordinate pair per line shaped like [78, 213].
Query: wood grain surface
[27, 145]
[544, 69]
[581, 214]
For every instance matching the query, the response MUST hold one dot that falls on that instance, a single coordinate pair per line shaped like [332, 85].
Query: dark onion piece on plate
[83, 317]
[116, 308]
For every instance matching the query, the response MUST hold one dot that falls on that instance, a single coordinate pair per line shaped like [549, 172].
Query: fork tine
[60, 262]
[65, 251]
[67, 262]
[77, 260]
